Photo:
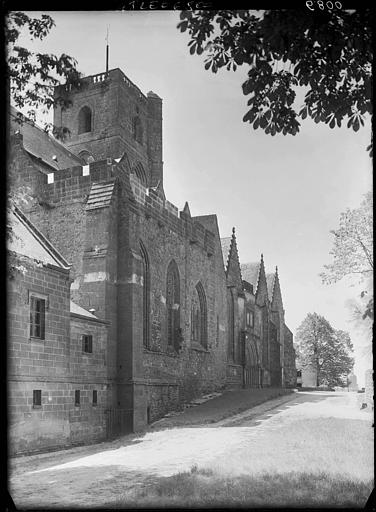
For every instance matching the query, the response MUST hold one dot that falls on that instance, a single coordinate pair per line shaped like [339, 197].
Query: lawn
[317, 451]
[318, 462]
[203, 488]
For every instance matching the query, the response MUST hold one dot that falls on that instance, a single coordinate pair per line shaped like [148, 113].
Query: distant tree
[324, 349]
[31, 77]
[327, 51]
[353, 251]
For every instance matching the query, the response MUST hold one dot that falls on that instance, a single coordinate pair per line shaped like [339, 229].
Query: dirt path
[257, 440]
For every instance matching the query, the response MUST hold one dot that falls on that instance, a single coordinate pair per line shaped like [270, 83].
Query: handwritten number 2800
[329, 5]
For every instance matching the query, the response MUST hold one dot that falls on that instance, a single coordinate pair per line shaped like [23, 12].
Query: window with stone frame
[173, 306]
[249, 318]
[87, 343]
[145, 294]
[37, 398]
[199, 317]
[37, 316]
[84, 120]
[137, 129]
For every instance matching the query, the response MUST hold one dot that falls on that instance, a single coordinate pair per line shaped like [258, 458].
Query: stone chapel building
[126, 307]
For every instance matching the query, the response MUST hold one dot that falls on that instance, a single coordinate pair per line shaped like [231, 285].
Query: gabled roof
[270, 281]
[226, 246]
[100, 195]
[39, 144]
[250, 273]
[27, 240]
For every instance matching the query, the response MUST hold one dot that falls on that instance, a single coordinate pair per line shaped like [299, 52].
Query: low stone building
[57, 379]
[176, 315]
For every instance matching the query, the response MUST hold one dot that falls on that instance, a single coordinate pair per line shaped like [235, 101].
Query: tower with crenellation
[108, 117]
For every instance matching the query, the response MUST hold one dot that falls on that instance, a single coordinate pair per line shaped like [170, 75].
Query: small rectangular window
[37, 317]
[87, 343]
[250, 319]
[77, 397]
[95, 397]
[37, 397]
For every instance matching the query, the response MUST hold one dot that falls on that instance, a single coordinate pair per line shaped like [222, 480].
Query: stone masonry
[176, 315]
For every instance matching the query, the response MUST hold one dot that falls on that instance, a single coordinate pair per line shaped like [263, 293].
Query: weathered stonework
[174, 302]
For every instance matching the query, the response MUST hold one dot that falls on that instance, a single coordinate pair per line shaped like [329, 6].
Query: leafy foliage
[32, 76]
[328, 52]
[353, 249]
[353, 244]
[325, 349]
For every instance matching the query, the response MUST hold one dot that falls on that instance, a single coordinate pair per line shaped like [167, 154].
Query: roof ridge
[41, 238]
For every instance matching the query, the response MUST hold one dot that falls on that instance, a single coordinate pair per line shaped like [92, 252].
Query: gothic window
[84, 120]
[145, 272]
[199, 316]
[231, 323]
[138, 132]
[173, 306]
[141, 174]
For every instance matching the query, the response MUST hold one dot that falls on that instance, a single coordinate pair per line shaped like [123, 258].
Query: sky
[283, 194]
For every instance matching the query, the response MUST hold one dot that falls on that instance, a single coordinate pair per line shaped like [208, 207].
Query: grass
[286, 460]
[204, 488]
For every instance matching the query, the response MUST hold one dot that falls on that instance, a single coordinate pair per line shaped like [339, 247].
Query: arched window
[138, 132]
[173, 306]
[84, 120]
[86, 156]
[141, 174]
[231, 327]
[199, 317]
[145, 272]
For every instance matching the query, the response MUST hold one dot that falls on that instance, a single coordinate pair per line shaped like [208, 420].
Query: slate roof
[41, 145]
[78, 310]
[250, 273]
[27, 240]
[270, 278]
[226, 246]
[100, 195]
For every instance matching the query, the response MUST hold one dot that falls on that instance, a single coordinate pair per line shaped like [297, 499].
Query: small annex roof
[26, 240]
[41, 145]
[75, 309]
[270, 280]
[226, 246]
[250, 273]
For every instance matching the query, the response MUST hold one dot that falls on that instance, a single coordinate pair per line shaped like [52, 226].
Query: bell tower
[109, 116]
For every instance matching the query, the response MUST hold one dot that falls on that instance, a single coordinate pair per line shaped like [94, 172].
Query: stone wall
[55, 365]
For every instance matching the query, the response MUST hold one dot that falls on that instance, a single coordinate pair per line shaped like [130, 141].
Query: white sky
[283, 194]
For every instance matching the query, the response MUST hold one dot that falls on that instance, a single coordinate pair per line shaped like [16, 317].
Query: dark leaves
[32, 77]
[329, 53]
